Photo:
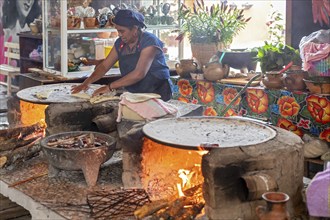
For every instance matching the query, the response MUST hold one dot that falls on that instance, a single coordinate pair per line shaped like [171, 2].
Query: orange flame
[32, 113]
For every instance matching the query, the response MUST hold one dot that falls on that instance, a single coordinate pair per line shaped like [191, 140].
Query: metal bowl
[88, 160]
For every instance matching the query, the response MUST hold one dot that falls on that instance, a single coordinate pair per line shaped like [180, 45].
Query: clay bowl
[318, 84]
[293, 80]
[88, 160]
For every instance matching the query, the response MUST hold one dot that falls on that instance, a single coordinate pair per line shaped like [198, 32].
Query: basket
[320, 68]
[203, 52]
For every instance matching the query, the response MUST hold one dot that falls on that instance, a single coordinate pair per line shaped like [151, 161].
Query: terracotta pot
[293, 80]
[215, 71]
[70, 22]
[275, 208]
[273, 80]
[89, 22]
[318, 84]
[185, 67]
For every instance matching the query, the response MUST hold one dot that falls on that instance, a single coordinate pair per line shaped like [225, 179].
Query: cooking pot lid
[53, 93]
[208, 132]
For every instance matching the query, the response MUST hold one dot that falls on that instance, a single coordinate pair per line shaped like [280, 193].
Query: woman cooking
[141, 60]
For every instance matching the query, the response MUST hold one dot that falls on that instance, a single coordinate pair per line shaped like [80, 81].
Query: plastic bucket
[107, 50]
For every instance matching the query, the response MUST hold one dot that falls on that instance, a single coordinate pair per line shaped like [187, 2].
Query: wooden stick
[28, 179]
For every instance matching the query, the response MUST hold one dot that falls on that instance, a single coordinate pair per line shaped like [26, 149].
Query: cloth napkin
[314, 52]
[148, 105]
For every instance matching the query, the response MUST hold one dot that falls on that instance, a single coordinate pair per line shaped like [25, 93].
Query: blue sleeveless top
[158, 68]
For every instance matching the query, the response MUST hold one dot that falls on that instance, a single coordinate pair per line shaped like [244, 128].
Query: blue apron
[150, 83]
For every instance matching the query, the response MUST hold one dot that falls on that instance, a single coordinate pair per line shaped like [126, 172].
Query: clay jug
[275, 208]
[215, 71]
[293, 80]
[273, 80]
[185, 67]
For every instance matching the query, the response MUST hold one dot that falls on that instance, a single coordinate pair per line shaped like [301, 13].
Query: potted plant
[215, 26]
[273, 58]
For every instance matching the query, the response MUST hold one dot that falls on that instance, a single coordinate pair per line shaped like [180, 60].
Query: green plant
[274, 56]
[276, 26]
[217, 24]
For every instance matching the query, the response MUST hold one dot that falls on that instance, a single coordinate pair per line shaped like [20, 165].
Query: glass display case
[76, 28]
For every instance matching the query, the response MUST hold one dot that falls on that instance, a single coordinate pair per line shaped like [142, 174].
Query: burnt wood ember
[79, 141]
[117, 203]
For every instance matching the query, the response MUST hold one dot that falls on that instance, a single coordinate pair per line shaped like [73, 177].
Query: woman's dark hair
[10, 14]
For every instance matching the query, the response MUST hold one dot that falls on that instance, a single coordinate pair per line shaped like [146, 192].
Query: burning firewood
[181, 209]
[174, 206]
[151, 208]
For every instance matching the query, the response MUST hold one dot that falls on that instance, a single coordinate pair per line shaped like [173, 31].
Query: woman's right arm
[99, 71]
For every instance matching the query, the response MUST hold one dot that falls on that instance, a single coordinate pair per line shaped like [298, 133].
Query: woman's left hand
[100, 91]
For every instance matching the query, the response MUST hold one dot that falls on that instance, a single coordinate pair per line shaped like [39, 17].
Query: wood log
[17, 143]
[19, 154]
[151, 208]
[176, 204]
[173, 209]
[190, 212]
[19, 136]
[20, 130]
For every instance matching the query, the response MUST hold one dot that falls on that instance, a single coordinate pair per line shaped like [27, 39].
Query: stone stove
[234, 178]
[228, 174]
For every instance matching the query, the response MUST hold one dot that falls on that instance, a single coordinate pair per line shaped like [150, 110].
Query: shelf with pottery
[297, 111]
[67, 23]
